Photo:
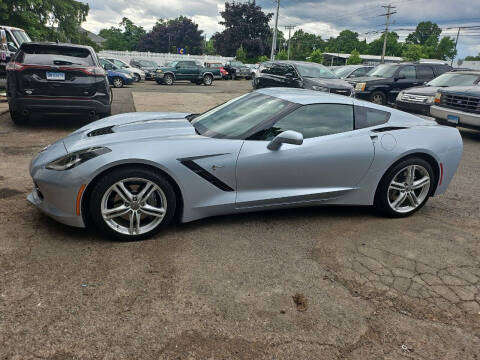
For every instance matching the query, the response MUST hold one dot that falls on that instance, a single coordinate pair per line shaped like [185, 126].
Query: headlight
[400, 95]
[437, 98]
[159, 71]
[320, 88]
[360, 86]
[74, 159]
[430, 99]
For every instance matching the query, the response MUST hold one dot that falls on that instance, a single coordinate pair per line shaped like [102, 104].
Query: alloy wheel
[408, 189]
[377, 99]
[117, 82]
[133, 206]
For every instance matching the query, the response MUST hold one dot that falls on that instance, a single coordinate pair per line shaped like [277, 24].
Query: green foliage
[316, 56]
[125, 37]
[166, 35]
[209, 48]
[423, 33]
[413, 52]
[241, 55]
[354, 58]
[282, 55]
[246, 25]
[394, 48]
[302, 44]
[46, 19]
[473, 58]
[262, 58]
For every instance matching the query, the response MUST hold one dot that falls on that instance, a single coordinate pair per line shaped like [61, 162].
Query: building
[94, 37]
[341, 59]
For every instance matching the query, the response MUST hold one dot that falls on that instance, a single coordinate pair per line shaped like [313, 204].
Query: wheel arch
[88, 190]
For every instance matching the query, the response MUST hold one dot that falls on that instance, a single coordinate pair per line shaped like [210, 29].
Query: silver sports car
[131, 174]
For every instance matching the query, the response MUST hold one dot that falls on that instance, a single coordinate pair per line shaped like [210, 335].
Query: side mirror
[286, 137]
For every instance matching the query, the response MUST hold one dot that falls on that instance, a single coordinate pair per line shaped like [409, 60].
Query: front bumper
[362, 95]
[58, 105]
[465, 119]
[419, 108]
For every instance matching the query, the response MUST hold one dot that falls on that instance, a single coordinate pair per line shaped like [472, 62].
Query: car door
[405, 78]
[424, 73]
[331, 161]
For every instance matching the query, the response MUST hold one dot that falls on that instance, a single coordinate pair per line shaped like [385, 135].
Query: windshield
[343, 71]
[55, 55]
[171, 64]
[21, 36]
[452, 79]
[119, 63]
[315, 71]
[148, 63]
[385, 71]
[238, 116]
[236, 63]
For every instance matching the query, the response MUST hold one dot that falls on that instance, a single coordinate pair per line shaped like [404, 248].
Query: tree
[241, 55]
[413, 52]
[316, 56]
[46, 19]
[394, 48]
[473, 58]
[282, 55]
[445, 49]
[346, 42]
[246, 26]
[176, 33]
[354, 58]
[423, 32]
[209, 48]
[302, 44]
[126, 39]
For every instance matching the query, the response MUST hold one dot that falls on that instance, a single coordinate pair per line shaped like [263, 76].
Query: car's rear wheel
[117, 82]
[137, 77]
[208, 80]
[19, 118]
[168, 79]
[378, 97]
[405, 188]
[132, 204]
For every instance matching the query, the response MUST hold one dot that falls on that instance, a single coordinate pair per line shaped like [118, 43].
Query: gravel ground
[317, 283]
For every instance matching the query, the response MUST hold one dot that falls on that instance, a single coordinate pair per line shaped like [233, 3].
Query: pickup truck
[184, 70]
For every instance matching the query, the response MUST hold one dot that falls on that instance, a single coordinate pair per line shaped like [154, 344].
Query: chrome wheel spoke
[115, 212]
[413, 199]
[146, 192]
[399, 200]
[123, 192]
[152, 210]
[137, 222]
[397, 186]
[421, 183]
[410, 175]
[131, 228]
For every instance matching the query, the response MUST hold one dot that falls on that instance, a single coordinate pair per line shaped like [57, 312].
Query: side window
[315, 120]
[442, 69]
[266, 69]
[279, 69]
[367, 117]
[425, 72]
[408, 71]
[359, 72]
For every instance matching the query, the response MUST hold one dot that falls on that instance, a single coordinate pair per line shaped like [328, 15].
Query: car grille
[346, 92]
[461, 102]
[414, 98]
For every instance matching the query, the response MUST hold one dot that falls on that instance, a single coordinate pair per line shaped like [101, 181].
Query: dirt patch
[6, 192]
[20, 150]
[300, 301]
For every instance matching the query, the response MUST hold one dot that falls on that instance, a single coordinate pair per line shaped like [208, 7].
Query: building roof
[94, 37]
[364, 57]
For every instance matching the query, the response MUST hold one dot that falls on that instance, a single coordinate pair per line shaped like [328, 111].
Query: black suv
[56, 78]
[383, 83]
[300, 74]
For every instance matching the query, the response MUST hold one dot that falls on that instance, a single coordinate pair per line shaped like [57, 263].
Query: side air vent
[389, 128]
[102, 131]
[197, 169]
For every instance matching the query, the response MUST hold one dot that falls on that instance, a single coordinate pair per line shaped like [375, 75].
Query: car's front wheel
[18, 118]
[132, 203]
[405, 188]
[137, 78]
[378, 97]
[168, 79]
[208, 80]
[117, 82]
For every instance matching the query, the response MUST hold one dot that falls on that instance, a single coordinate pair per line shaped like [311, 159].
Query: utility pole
[289, 28]
[456, 42]
[388, 14]
[274, 40]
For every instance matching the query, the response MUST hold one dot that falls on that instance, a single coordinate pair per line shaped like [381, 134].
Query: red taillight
[91, 70]
[14, 66]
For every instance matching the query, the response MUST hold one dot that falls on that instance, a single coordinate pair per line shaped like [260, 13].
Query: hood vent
[389, 128]
[101, 131]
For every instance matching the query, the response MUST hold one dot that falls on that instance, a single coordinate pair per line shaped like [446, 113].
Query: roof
[365, 57]
[305, 97]
[33, 43]
[94, 37]
[10, 27]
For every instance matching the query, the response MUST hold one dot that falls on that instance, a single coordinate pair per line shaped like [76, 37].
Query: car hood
[369, 79]
[331, 83]
[423, 90]
[473, 90]
[129, 127]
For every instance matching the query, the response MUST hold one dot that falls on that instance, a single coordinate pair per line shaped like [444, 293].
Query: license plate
[58, 76]
[453, 119]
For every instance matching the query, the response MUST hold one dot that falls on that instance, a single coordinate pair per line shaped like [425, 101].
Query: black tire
[102, 186]
[207, 80]
[117, 82]
[378, 97]
[248, 78]
[233, 76]
[381, 202]
[103, 115]
[18, 118]
[137, 77]
[168, 79]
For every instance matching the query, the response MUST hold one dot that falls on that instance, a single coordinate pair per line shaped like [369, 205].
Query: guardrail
[159, 58]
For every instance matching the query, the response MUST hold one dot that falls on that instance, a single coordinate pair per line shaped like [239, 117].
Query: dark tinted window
[55, 55]
[281, 69]
[440, 69]
[425, 72]
[408, 71]
[315, 120]
[360, 72]
[366, 117]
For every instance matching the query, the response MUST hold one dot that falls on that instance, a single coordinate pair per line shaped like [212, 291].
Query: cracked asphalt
[224, 287]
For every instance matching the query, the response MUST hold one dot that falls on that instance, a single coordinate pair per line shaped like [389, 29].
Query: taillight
[93, 70]
[14, 66]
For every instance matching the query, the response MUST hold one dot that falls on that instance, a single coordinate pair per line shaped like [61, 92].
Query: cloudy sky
[324, 17]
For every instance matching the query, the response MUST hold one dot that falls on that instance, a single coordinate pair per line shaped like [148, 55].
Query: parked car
[383, 84]
[130, 175]
[56, 78]
[458, 106]
[352, 71]
[237, 70]
[117, 77]
[299, 74]
[148, 66]
[15, 38]
[419, 99]
[138, 74]
[221, 74]
[184, 70]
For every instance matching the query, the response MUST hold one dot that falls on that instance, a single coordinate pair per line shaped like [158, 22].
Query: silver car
[131, 174]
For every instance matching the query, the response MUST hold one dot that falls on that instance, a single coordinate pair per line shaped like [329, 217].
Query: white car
[137, 74]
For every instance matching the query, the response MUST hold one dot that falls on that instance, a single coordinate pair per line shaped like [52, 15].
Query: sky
[322, 17]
